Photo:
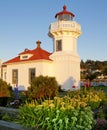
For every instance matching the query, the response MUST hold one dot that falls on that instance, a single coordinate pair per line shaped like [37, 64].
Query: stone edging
[4, 125]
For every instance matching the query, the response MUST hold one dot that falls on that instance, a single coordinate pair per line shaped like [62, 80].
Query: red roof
[64, 12]
[37, 54]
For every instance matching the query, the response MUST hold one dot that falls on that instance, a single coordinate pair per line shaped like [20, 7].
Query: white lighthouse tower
[65, 32]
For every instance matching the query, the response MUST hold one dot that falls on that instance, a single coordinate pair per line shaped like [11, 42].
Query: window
[58, 45]
[60, 17]
[1, 73]
[25, 57]
[31, 74]
[15, 76]
[5, 75]
[65, 17]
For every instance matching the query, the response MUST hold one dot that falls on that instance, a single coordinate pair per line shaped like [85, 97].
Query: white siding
[42, 68]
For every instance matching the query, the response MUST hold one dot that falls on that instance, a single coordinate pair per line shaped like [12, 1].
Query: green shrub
[43, 87]
[56, 115]
[101, 124]
[93, 98]
[5, 89]
[94, 105]
[7, 117]
[101, 114]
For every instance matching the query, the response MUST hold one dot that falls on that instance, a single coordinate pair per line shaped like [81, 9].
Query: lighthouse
[64, 33]
[63, 63]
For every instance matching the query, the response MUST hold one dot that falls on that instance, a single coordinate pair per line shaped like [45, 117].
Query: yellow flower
[62, 108]
[45, 104]
[51, 105]
[62, 104]
[83, 104]
[39, 106]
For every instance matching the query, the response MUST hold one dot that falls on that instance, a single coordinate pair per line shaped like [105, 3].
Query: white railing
[65, 25]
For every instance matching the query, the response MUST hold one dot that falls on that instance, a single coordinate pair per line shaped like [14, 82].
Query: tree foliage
[105, 71]
[42, 87]
[92, 69]
[93, 65]
[4, 89]
[91, 76]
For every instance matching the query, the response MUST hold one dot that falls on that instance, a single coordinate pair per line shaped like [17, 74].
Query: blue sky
[23, 22]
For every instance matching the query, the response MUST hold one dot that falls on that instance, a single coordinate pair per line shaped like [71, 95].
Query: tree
[104, 71]
[5, 93]
[91, 76]
[42, 87]
[93, 69]
[4, 89]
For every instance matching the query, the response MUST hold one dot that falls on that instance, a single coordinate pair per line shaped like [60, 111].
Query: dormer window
[25, 56]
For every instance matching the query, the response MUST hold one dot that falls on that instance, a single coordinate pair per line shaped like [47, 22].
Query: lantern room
[64, 15]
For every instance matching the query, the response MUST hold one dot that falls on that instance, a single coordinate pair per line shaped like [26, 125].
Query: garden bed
[87, 105]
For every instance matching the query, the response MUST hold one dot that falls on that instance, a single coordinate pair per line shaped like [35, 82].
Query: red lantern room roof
[64, 12]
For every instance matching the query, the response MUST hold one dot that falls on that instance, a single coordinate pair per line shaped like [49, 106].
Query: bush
[43, 87]
[91, 97]
[4, 89]
[57, 114]
[5, 93]
[101, 124]
[71, 112]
